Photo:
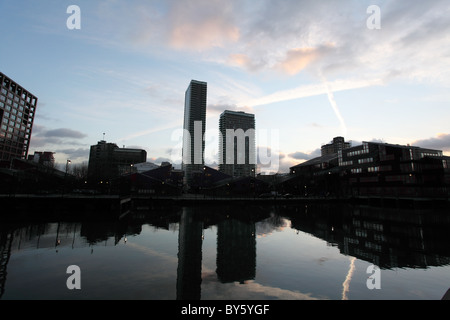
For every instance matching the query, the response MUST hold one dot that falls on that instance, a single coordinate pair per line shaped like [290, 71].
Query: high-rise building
[194, 129]
[108, 161]
[335, 146]
[17, 111]
[237, 151]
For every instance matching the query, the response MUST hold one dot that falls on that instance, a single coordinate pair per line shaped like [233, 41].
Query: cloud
[160, 160]
[246, 62]
[324, 37]
[219, 108]
[299, 58]
[63, 133]
[305, 156]
[202, 24]
[73, 154]
[440, 142]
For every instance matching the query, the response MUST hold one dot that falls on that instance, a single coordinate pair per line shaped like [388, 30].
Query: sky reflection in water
[288, 253]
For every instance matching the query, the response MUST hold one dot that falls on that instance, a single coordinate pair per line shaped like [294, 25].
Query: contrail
[335, 108]
[346, 284]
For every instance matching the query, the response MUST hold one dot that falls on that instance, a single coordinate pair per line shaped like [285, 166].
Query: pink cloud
[202, 25]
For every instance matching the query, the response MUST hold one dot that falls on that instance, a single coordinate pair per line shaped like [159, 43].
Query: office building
[237, 144]
[17, 111]
[108, 161]
[374, 169]
[194, 129]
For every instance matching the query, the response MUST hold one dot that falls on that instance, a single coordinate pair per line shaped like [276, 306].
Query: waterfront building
[17, 111]
[337, 144]
[194, 129]
[394, 170]
[237, 144]
[108, 161]
[374, 169]
[163, 180]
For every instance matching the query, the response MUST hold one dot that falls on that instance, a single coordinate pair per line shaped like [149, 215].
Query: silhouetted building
[163, 180]
[337, 144]
[17, 111]
[25, 176]
[237, 145]
[194, 129]
[45, 158]
[214, 183]
[374, 169]
[108, 161]
[386, 169]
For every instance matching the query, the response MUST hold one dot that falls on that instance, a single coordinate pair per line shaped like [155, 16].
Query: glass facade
[194, 129]
[17, 111]
[237, 144]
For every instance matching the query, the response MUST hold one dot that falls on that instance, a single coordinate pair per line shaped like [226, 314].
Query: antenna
[103, 136]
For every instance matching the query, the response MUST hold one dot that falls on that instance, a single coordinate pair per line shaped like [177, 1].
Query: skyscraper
[237, 151]
[194, 129]
[17, 111]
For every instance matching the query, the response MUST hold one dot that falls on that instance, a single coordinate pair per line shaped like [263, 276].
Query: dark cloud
[305, 156]
[441, 142]
[63, 133]
[75, 154]
[160, 160]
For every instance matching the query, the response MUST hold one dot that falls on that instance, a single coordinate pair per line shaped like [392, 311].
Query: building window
[366, 160]
[356, 170]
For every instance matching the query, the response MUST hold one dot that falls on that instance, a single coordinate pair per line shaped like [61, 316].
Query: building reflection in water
[387, 237]
[236, 251]
[189, 272]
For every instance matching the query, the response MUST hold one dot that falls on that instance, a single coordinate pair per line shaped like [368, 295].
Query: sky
[309, 71]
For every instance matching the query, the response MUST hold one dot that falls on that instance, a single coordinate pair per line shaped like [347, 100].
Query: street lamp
[65, 176]
[67, 165]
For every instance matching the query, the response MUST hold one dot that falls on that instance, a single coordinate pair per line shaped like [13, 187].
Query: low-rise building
[107, 161]
[374, 169]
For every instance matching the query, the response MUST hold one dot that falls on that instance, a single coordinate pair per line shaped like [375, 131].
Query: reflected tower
[5, 253]
[189, 272]
[236, 251]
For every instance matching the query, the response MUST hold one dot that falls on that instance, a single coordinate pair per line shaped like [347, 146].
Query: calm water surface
[232, 252]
